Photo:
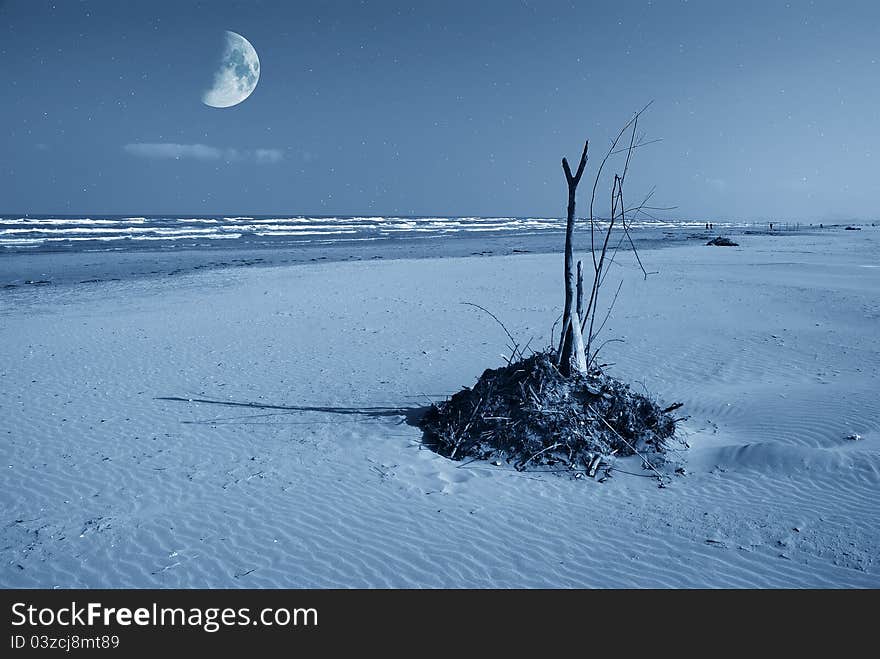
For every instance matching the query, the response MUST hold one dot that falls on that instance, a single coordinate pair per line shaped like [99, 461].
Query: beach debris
[529, 414]
[558, 406]
[722, 241]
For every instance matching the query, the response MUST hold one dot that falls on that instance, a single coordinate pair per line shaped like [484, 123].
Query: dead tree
[575, 353]
[572, 355]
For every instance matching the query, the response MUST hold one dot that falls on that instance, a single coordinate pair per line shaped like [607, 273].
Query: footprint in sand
[450, 479]
[431, 478]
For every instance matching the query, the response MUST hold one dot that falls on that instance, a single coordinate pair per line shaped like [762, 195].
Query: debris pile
[529, 414]
[721, 241]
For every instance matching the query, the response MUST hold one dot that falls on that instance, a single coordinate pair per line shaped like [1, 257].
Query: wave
[83, 221]
[118, 232]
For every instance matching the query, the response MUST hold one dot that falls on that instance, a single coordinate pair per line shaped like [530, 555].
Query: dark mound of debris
[853, 229]
[721, 241]
[530, 414]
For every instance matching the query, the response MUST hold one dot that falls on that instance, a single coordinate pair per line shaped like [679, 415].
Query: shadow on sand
[410, 415]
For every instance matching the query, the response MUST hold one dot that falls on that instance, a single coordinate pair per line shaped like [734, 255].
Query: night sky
[765, 109]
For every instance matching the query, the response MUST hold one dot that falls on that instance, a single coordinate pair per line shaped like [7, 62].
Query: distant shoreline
[21, 270]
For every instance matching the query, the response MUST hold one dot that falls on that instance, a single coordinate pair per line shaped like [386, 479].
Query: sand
[772, 347]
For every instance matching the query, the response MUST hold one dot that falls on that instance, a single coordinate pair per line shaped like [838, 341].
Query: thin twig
[599, 173]
[632, 448]
[522, 465]
[553, 328]
[509, 335]
[604, 343]
[461, 436]
[639, 145]
[610, 309]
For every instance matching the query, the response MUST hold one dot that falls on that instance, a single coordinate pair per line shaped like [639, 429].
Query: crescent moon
[237, 76]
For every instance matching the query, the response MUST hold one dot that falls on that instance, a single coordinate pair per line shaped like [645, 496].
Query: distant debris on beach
[721, 241]
[852, 228]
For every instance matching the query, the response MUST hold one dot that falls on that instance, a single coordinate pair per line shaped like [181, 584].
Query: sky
[765, 110]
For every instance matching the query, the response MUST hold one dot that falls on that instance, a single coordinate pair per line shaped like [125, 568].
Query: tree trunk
[571, 347]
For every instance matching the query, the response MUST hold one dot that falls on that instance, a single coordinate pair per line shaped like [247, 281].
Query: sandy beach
[292, 459]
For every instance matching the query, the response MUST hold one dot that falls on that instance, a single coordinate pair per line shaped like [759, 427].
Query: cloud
[267, 155]
[173, 151]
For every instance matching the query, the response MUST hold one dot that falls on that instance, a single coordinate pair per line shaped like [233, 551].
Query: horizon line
[184, 214]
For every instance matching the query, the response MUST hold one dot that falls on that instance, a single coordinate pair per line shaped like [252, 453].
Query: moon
[237, 76]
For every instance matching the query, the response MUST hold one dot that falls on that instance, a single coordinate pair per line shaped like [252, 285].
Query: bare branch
[582, 164]
[638, 146]
[599, 174]
[608, 313]
[629, 151]
[509, 335]
[567, 170]
[633, 245]
[555, 323]
[602, 345]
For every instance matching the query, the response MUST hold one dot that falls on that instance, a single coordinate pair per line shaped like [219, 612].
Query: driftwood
[594, 466]
[572, 354]
[522, 465]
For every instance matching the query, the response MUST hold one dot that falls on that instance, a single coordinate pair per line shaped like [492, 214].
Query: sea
[103, 233]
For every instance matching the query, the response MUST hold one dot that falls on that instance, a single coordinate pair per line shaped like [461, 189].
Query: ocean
[99, 233]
